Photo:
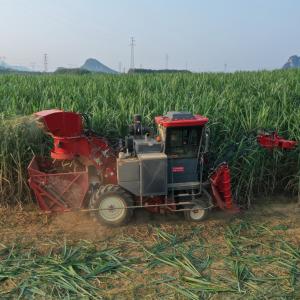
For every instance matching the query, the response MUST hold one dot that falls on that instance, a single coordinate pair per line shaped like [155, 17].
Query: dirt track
[29, 224]
[31, 229]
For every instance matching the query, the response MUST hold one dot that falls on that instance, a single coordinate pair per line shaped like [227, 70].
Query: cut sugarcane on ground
[254, 255]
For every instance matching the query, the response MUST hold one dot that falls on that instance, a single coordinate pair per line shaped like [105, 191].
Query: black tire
[199, 211]
[115, 195]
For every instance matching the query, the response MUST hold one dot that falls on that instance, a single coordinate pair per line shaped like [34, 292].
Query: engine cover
[144, 175]
[153, 171]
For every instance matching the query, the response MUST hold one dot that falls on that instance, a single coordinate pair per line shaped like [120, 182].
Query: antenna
[167, 61]
[132, 45]
[45, 62]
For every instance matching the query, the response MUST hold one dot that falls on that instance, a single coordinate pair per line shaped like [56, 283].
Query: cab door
[182, 149]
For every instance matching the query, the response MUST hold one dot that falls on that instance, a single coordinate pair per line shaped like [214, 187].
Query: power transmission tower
[45, 62]
[132, 45]
[167, 61]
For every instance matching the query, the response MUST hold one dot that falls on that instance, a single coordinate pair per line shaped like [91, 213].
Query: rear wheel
[198, 211]
[110, 204]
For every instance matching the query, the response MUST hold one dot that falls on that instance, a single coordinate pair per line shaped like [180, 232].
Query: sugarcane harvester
[162, 172]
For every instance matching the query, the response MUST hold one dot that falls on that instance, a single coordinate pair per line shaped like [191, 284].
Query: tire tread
[110, 189]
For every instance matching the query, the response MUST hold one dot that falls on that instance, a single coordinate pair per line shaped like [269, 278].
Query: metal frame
[38, 181]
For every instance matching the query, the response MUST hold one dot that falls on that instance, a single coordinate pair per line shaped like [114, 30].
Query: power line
[45, 62]
[132, 45]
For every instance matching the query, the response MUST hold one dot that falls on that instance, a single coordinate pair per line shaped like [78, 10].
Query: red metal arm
[273, 140]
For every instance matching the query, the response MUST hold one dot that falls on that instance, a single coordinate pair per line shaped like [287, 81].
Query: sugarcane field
[252, 251]
[172, 171]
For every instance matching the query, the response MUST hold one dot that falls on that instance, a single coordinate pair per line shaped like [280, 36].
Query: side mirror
[206, 136]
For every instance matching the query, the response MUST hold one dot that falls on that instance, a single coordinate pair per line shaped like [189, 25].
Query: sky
[195, 34]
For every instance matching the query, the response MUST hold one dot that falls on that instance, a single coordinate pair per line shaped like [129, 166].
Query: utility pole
[167, 61]
[225, 68]
[132, 45]
[45, 62]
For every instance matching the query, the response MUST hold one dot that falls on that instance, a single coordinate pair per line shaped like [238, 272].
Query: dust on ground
[30, 224]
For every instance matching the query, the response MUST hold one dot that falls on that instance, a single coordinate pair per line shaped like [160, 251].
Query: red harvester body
[160, 174]
[56, 187]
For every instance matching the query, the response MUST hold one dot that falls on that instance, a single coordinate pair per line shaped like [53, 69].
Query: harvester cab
[179, 147]
[162, 173]
[185, 140]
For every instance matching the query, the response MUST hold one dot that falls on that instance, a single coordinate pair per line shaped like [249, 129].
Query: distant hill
[5, 66]
[93, 65]
[293, 62]
[4, 70]
[144, 71]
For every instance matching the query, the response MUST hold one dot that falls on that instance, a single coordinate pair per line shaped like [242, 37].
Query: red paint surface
[273, 140]
[178, 169]
[198, 120]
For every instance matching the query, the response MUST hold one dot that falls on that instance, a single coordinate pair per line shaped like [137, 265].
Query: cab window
[183, 141]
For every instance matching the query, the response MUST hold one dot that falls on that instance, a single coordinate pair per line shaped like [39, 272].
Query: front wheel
[198, 211]
[110, 205]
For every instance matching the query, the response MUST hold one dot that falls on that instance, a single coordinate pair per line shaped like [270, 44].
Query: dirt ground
[27, 225]
[30, 224]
